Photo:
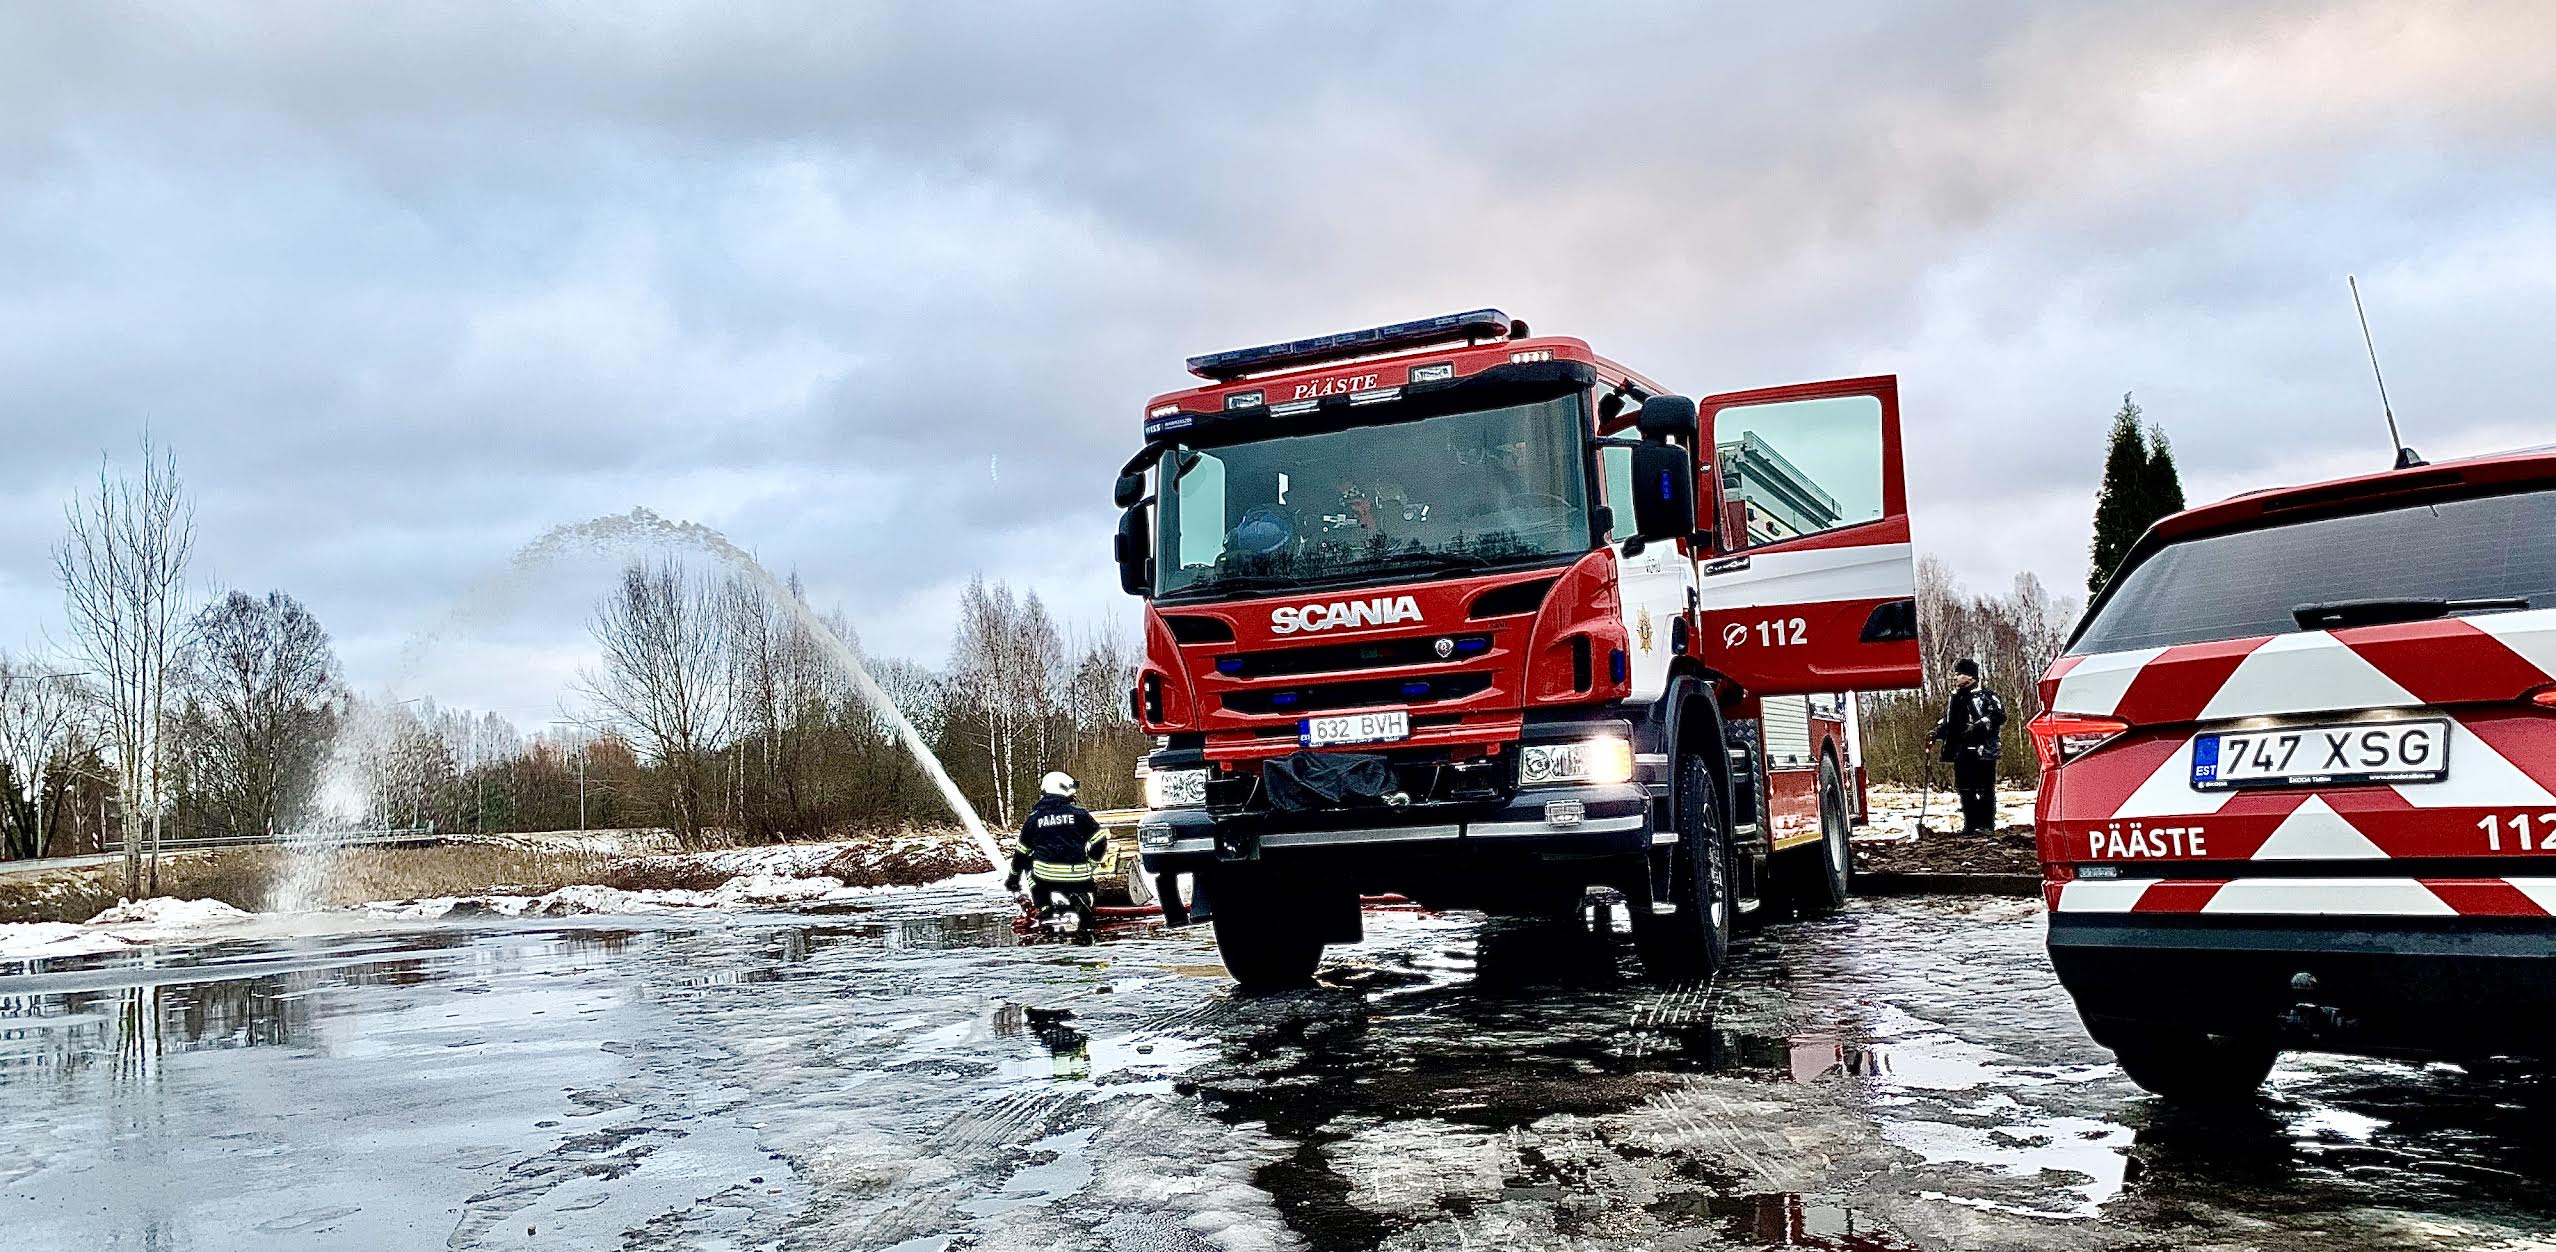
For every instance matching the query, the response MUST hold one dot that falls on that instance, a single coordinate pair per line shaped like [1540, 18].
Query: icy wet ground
[1904, 1076]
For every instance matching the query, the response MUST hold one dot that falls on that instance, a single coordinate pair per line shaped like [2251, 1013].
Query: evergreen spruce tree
[2122, 504]
[2163, 486]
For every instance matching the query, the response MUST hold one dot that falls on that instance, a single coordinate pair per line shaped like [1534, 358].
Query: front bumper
[2449, 987]
[1611, 820]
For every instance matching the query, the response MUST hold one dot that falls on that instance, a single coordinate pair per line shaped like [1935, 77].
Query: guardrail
[328, 838]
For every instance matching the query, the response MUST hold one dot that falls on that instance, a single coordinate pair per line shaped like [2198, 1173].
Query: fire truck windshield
[1487, 489]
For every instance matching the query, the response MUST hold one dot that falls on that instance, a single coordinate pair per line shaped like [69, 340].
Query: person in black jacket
[1971, 734]
[1060, 842]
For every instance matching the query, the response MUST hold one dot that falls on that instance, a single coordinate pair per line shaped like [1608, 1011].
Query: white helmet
[1058, 783]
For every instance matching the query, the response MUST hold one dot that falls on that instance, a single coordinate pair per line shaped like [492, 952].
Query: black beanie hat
[1966, 666]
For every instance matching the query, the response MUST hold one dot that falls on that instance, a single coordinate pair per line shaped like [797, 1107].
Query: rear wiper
[2337, 614]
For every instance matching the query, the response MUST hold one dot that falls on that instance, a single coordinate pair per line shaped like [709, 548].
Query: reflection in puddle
[1791, 1058]
[1780, 1219]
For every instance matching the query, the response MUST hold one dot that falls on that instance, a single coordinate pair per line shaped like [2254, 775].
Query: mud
[1905, 1075]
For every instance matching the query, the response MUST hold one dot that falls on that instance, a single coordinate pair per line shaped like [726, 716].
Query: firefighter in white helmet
[1060, 842]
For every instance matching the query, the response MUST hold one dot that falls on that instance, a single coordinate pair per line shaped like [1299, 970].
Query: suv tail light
[2063, 737]
[2544, 697]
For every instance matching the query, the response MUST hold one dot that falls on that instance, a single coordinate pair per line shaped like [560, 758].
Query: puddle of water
[1781, 1219]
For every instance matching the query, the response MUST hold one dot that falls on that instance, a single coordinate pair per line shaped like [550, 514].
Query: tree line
[738, 719]
[713, 706]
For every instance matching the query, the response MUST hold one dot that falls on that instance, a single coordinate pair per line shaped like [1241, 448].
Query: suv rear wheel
[1688, 935]
[2193, 1067]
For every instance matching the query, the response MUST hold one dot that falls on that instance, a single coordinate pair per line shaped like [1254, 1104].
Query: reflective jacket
[1059, 842]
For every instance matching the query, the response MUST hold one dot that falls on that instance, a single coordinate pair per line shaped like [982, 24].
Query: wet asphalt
[1904, 1075]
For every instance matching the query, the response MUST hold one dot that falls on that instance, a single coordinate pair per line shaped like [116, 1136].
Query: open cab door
[1811, 586]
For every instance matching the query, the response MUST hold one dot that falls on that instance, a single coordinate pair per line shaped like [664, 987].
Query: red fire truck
[2298, 779]
[1485, 619]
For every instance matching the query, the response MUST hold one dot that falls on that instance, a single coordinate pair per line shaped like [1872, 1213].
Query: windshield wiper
[1419, 563]
[2337, 614]
[1242, 582]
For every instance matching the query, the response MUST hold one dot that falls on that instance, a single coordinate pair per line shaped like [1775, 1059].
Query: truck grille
[1361, 693]
[1338, 657]
[1429, 776]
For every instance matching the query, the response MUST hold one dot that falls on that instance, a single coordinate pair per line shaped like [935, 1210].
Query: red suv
[2298, 779]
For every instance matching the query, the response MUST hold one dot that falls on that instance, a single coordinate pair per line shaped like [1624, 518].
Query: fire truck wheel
[2190, 1067]
[1820, 875]
[1266, 945]
[1693, 937]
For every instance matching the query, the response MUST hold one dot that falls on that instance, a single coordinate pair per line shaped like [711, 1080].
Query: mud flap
[1335, 916]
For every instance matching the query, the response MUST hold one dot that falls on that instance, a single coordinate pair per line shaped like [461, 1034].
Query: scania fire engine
[1482, 618]
[2299, 779]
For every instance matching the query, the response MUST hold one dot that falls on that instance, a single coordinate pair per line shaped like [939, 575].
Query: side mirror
[1130, 489]
[1668, 417]
[1663, 489]
[1134, 549]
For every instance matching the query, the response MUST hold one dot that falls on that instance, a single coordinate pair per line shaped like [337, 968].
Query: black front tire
[1265, 946]
[1825, 876]
[1692, 938]
[2190, 1067]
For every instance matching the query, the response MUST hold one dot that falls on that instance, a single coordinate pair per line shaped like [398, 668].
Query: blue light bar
[1224, 366]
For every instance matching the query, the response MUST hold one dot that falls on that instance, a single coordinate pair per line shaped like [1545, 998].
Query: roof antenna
[2405, 456]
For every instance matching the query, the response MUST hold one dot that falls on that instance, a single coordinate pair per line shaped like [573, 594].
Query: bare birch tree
[123, 565]
[262, 677]
[39, 714]
[2014, 637]
[665, 676]
[1004, 675]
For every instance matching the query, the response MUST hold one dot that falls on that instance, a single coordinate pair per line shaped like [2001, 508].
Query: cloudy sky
[879, 290]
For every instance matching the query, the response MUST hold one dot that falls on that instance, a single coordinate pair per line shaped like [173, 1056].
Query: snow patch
[29, 941]
[775, 889]
[163, 911]
[587, 898]
[1894, 812]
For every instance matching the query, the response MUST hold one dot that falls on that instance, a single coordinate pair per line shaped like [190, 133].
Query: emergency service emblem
[1642, 629]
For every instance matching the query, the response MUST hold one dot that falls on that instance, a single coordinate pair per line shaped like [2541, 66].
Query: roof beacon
[1227, 366]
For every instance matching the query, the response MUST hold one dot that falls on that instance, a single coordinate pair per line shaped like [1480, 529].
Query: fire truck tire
[1693, 937]
[1266, 945]
[1821, 874]
[2193, 1068]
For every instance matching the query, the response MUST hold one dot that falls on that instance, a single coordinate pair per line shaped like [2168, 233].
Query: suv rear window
[2244, 584]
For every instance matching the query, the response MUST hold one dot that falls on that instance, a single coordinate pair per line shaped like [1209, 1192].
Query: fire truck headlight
[1605, 759]
[1176, 789]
